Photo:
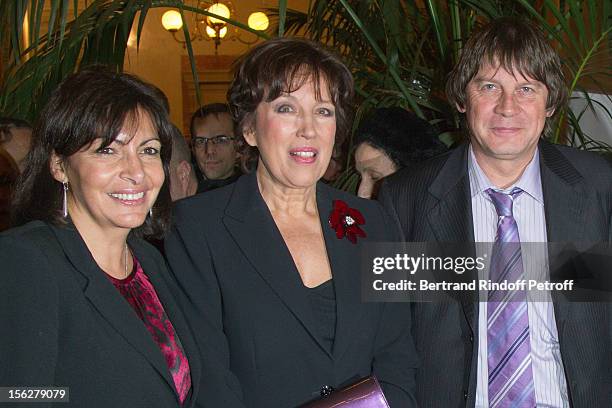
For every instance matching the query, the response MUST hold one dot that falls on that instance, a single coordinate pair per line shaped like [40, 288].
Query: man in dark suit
[508, 182]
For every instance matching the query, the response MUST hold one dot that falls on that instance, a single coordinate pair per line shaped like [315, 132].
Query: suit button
[326, 390]
[465, 395]
[471, 339]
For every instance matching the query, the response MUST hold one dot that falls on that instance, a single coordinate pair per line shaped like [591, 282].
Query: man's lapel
[451, 217]
[108, 302]
[564, 202]
[564, 197]
[249, 221]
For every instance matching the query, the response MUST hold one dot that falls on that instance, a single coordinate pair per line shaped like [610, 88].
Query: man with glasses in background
[214, 147]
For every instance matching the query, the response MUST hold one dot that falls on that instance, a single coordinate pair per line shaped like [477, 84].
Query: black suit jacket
[433, 203]
[237, 274]
[65, 324]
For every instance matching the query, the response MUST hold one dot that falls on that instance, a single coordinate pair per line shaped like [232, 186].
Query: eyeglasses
[220, 140]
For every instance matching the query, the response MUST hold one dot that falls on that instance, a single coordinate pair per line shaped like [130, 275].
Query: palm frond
[400, 51]
[403, 56]
[97, 33]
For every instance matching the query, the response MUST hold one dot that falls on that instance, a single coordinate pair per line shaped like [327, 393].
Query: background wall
[158, 58]
[594, 121]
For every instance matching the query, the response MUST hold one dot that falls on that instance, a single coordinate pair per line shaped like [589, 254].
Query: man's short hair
[519, 47]
[207, 110]
[180, 148]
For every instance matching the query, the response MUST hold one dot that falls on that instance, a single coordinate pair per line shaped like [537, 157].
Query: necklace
[125, 260]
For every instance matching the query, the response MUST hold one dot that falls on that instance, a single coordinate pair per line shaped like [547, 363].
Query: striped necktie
[508, 348]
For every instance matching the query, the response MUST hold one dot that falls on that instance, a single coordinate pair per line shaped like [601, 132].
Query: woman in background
[388, 140]
[85, 303]
[272, 261]
[9, 172]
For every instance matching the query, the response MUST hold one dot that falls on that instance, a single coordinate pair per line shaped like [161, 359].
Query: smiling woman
[273, 259]
[89, 121]
[113, 186]
[88, 302]
[294, 162]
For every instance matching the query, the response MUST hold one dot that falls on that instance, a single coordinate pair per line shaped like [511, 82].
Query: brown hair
[94, 103]
[205, 111]
[283, 65]
[516, 46]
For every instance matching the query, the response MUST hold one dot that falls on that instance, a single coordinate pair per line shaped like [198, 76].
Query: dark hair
[207, 110]
[517, 46]
[283, 65]
[162, 97]
[91, 104]
[403, 136]
[6, 124]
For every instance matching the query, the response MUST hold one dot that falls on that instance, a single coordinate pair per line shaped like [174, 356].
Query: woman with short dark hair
[388, 140]
[272, 261]
[85, 302]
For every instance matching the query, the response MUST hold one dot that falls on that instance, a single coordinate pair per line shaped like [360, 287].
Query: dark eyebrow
[153, 139]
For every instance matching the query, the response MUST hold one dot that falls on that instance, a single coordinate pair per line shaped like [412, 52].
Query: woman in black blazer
[270, 264]
[84, 302]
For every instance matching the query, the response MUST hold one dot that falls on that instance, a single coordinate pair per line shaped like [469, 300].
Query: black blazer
[237, 273]
[65, 324]
[433, 203]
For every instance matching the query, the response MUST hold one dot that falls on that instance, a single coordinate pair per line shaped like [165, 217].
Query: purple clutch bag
[365, 393]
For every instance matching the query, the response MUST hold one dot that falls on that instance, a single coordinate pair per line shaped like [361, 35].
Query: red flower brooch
[346, 221]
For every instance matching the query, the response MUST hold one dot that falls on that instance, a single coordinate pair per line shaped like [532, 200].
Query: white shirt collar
[530, 181]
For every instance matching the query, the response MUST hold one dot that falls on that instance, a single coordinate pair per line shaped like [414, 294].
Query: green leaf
[54, 8]
[578, 74]
[456, 28]
[383, 58]
[282, 15]
[348, 180]
[389, 45]
[37, 12]
[542, 21]
[194, 69]
[564, 22]
[438, 28]
[31, 18]
[141, 20]
[18, 13]
[578, 19]
[63, 20]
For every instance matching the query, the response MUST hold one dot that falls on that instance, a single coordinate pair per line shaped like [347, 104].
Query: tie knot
[503, 201]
